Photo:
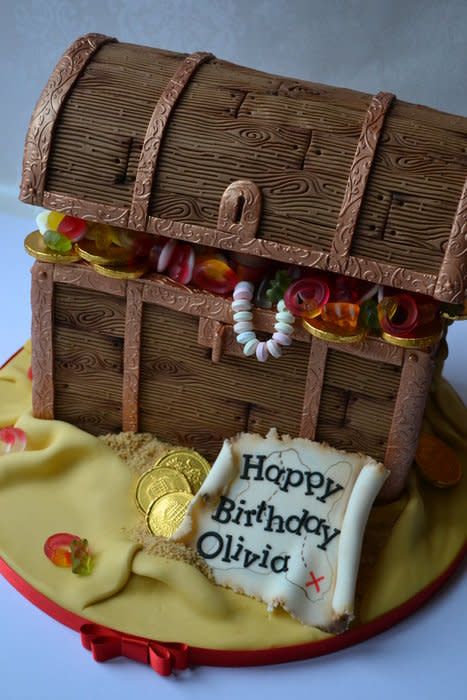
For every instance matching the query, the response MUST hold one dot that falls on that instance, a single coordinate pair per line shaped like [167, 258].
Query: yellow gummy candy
[54, 219]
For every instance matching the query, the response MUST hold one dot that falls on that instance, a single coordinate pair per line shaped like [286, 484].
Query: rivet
[413, 357]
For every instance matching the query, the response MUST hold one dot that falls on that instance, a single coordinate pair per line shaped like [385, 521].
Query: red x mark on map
[314, 581]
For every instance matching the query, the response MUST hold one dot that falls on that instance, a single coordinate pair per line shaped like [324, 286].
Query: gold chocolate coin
[112, 255]
[122, 272]
[420, 341]
[437, 462]
[165, 515]
[190, 463]
[157, 482]
[326, 332]
[35, 246]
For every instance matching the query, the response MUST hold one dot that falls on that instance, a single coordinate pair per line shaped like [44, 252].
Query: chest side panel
[88, 358]
[185, 398]
[357, 403]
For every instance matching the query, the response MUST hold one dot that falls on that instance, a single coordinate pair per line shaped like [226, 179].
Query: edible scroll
[282, 520]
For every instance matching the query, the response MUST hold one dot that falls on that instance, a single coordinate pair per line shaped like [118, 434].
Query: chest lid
[202, 150]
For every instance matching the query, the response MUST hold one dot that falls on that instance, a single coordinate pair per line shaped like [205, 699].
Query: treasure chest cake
[194, 175]
[245, 266]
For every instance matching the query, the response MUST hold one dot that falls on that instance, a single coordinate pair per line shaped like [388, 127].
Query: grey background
[415, 48]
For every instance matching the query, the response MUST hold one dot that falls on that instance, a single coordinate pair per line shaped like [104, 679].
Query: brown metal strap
[131, 356]
[358, 177]
[452, 279]
[313, 387]
[42, 340]
[39, 136]
[154, 135]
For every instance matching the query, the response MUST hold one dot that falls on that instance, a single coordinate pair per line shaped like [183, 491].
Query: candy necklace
[243, 325]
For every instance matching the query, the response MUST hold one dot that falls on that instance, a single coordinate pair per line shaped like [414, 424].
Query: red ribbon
[105, 644]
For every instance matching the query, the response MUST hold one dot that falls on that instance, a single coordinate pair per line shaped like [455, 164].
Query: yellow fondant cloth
[69, 481]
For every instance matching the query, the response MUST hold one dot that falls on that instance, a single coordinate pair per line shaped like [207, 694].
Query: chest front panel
[186, 398]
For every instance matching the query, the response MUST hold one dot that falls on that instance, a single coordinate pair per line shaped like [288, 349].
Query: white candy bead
[274, 348]
[41, 221]
[283, 327]
[282, 338]
[241, 305]
[243, 290]
[262, 352]
[243, 326]
[250, 347]
[285, 316]
[243, 316]
[245, 337]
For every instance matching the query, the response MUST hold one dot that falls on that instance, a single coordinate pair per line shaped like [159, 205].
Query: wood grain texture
[417, 372]
[357, 403]
[313, 387]
[131, 356]
[87, 310]
[294, 140]
[186, 397]
[240, 210]
[153, 138]
[39, 137]
[42, 293]
[358, 178]
[88, 358]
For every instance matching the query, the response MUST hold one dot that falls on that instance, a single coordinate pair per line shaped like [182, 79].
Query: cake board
[168, 656]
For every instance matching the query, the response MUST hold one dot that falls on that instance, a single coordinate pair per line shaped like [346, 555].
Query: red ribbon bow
[107, 644]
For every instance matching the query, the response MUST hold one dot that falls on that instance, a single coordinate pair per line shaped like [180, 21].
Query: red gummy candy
[214, 274]
[307, 296]
[165, 255]
[142, 245]
[12, 440]
[402, 314]
[73, 228]
[348, 289]
[57, 548]
[182, 263]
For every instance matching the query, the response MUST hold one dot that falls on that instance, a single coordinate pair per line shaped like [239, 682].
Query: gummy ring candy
[181, 263]
[57, 548]
[12, 440]
[307, 296]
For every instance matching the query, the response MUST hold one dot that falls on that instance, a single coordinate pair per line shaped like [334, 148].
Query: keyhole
[238, 211]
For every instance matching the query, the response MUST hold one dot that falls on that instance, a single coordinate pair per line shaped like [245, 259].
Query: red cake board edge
[161, 655]
[233, 657]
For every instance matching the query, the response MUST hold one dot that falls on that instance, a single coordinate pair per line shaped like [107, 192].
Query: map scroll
[282, 520]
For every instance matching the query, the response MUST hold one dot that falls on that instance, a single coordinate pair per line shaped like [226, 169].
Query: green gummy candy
[369, 314]
[55, 241]
[81, 559]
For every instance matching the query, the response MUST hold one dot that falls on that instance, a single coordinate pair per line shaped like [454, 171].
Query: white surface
[423, 657]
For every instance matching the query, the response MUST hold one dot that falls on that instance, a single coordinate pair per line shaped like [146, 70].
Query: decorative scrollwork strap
[39, 137]
[452, 279]
[154, 135]
[358, 177]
